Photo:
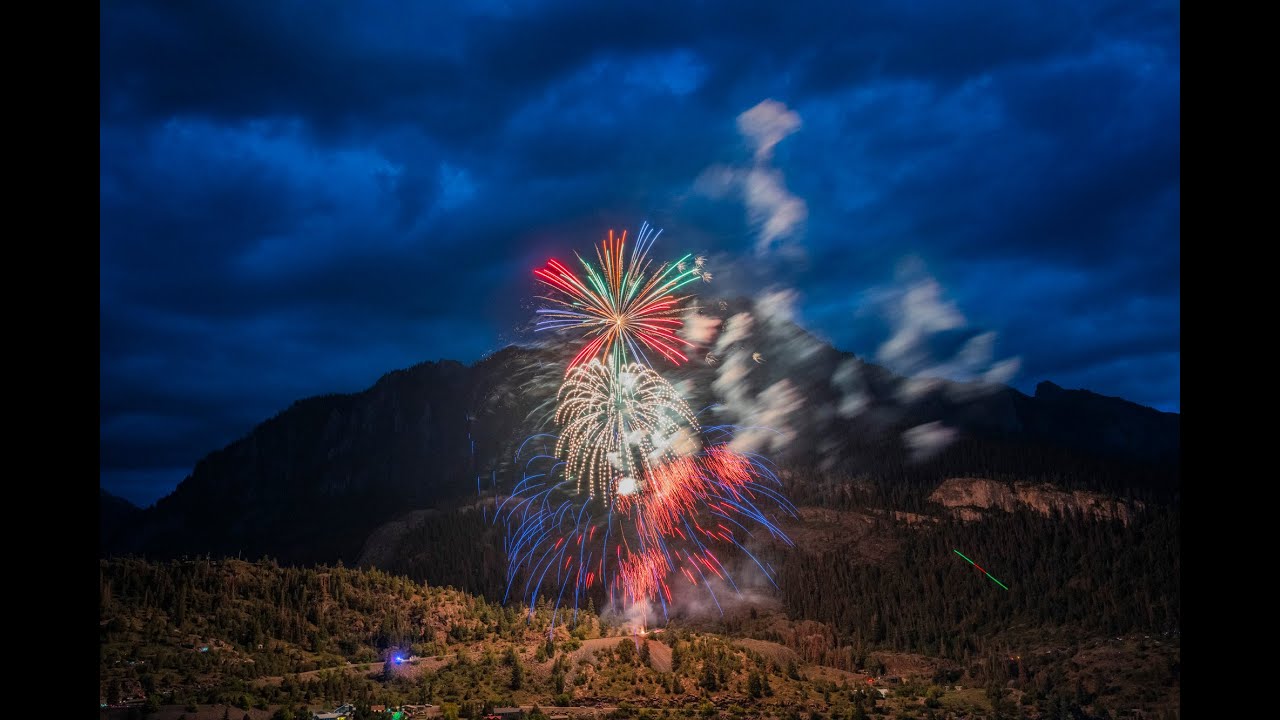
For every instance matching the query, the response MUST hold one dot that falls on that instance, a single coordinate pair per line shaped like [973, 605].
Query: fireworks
[617, 424]
[682, 515]
[620, 306]
[632, 496]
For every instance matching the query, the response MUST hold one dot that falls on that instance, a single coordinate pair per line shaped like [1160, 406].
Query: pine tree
[517, 675]
[709, 681]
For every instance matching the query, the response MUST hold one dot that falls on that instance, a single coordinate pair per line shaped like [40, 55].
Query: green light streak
[983, 571]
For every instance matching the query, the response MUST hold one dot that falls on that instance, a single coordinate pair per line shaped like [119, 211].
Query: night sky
[298, 197]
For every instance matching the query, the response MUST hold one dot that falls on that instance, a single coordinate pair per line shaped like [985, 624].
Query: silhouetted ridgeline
[313, 483]
[114, 513]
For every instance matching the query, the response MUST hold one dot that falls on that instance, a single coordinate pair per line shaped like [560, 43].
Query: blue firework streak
[564, 547]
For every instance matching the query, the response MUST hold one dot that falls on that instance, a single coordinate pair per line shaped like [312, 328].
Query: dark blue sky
[297, 197]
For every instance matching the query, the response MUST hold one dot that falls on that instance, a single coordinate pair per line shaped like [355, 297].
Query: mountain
[313, 483]
[1101, 424]
[113, 513]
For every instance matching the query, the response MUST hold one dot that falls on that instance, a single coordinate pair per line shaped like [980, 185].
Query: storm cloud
[297, 198]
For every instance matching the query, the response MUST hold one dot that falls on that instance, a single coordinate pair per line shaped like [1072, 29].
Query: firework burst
[631, 497]
[617, 423]
[621, 306]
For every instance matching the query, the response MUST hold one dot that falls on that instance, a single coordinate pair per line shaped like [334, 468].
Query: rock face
[970, 498]
[311, 484]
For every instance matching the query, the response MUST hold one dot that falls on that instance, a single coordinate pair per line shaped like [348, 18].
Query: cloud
[294, 204]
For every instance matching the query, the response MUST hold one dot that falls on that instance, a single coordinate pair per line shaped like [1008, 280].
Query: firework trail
[629, 495]
[620, 306]
[675, 522]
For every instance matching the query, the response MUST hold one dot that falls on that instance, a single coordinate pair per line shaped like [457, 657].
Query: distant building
[508, 712]
[342, 712]
[377, 708]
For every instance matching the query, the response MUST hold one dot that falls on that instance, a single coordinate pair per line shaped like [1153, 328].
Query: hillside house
[342, 712]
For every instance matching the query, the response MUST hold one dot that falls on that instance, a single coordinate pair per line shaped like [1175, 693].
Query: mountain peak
[106, 498]
[1048, 389]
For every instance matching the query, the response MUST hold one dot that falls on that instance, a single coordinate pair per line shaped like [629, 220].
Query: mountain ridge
[311, 483]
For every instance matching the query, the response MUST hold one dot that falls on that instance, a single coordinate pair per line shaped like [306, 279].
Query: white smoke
[730, 383]
[918, 315]
[777, 305]
[763, 418]
[736, 329]
[615, 459]
[626, 486]
[848, 379]
[923, 441]
[776, 309]
[684, 388]
[637, 617]
[699, 329]
[769, 413]
[713, 598]
[681, 442]
[716, 181]
[765, 125]
[771, 208]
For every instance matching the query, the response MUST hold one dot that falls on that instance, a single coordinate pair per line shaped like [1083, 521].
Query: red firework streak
[980, 568]
[618, 305]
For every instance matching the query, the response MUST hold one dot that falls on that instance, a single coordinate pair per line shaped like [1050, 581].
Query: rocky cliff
[972, 498]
